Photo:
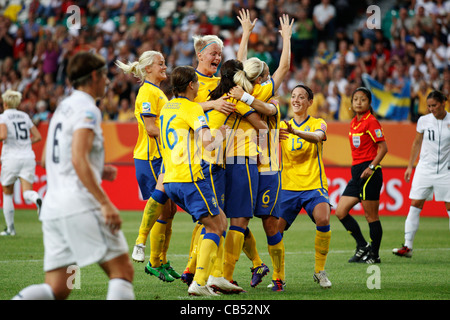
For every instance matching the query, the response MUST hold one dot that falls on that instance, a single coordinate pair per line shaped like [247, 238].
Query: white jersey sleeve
[17, 144]
[435, 149]
[66, 195]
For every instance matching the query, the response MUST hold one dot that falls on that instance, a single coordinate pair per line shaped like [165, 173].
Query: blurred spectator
[126, 111]
[324, 14]
[42, 113]
[184, 50]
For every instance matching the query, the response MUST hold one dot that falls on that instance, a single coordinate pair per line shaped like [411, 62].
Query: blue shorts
[147, 173]
[241, 188]
[216, 174]
[196, 198]
[267, 200]
[291, 202]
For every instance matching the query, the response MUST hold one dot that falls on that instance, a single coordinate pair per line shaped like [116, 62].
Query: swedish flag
[388, 104]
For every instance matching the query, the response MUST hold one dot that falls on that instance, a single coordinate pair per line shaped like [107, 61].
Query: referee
[368, 147]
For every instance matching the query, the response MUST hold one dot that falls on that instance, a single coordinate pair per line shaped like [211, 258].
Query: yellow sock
[157, 239]
[233, 247]
[192, 262]
[194, 236]
[151, 213]
[217, 269]
[321, 245]
[206, 257]
[250, 249]
[276, 252]
[165, 247]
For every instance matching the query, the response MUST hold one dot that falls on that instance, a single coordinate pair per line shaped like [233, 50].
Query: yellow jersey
[149, 101]
[206, 85]
[302, 164]
[269, 159]
[180, 120]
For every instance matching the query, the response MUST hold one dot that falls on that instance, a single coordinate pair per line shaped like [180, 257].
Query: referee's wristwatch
[372, 167]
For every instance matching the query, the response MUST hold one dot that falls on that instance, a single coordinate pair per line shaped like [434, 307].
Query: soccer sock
[352, 226]
[120, 289]
[8, 211]
[376, 233]
[206, 257]
[30, 196]
[157, 240]
[165, 247]
[233, 247]
[217, 269]
[321, 246]
[152, 210]
[192, 263]
[35, 292]
[411, 225]
[250, 248]
[276, 252]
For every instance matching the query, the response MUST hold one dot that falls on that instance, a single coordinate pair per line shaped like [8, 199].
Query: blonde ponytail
[254, 68]
[137, 68]
[240, 78]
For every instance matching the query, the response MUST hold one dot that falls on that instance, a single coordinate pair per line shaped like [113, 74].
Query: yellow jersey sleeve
[149, 101]
[302, 164]
[181, 119]
[264, 91]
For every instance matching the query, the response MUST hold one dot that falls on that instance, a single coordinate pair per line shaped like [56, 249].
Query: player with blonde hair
[157, 219]
[18, 133]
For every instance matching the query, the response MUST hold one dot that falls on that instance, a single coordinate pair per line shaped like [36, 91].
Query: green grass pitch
[426, 276]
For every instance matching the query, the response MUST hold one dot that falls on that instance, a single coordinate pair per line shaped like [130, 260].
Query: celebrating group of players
[212, 150]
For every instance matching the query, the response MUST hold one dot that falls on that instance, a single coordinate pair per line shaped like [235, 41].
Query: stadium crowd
[329, 54]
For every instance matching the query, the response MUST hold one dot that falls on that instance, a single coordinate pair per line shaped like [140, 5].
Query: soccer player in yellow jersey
[184, 131]
[208, 49]
[150, 69]
[304, 183]
[232, 73]
[269, 177]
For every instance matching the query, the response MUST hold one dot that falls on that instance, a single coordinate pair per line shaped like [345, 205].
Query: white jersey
[18, 143]
[435, 150]
[66, 194]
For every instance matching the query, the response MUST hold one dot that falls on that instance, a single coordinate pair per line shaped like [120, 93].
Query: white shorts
[12, 169]
[80, 239]
[424, 185]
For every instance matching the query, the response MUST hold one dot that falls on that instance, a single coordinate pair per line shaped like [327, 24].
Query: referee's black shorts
[364, 189]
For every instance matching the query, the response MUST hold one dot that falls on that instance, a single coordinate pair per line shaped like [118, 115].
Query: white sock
[8, 211]
[30, 196]
[411, 225]
[120, 289]
[35, 292]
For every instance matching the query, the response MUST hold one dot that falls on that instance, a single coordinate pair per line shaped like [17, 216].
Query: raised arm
[285, 59]
[247, 28]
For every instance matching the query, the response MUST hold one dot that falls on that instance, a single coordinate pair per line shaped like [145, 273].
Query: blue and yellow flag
[388, 104]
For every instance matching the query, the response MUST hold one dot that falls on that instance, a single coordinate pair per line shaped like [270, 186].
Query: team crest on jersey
[202, 120]
[356, 141]
[378, 133]
[146, 106]
[89, 117]
[307, 129]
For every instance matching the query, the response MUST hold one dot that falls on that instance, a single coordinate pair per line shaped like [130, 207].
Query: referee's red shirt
[364, 136]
